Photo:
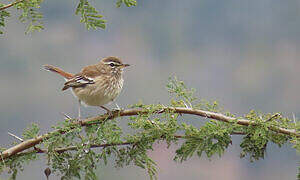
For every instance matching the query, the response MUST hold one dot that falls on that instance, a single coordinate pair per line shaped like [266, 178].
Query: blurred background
[245, 54]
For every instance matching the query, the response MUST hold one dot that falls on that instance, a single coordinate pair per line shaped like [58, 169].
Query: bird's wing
[78, 80]
[93, 71]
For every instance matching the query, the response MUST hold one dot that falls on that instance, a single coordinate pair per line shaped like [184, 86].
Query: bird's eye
[112, 64]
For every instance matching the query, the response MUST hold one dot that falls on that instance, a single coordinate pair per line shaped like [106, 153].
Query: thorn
[294, 118]
[276, 115]
[11, 134]
[65, 115]
[191, 106]
[186, 105]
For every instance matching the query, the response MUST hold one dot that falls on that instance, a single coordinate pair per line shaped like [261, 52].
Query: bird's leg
[107, 110]
[79, 114]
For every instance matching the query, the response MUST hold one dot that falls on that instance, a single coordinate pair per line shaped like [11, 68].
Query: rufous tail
[58, 71]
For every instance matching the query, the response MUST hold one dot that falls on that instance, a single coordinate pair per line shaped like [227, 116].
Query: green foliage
[184, 96]
[70, 164]
[31, 131]
[89, 15]
[74, 151]
[16, 163]
[137, 154]
[30, 15]
[209, 106]
[258, 135]
[212, 138]
[3, 15]
[128, 3]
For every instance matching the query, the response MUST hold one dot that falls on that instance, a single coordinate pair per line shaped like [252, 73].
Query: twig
[15, 136]
[131, 112]
[72, 148]
[65, 115]
[10, 5]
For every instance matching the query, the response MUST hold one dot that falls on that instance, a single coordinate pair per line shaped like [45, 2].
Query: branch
[10, 5]
[197, 112]
[72, 148]
[131, 112]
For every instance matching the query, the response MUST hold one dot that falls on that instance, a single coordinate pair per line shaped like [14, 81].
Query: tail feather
[58, 71]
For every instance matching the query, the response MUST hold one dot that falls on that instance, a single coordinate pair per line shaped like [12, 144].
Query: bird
[95, 85]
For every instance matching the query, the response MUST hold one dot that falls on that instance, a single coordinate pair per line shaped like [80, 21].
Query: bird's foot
[117, 109]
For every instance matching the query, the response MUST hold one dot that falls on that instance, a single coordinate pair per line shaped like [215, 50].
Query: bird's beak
[124, 65]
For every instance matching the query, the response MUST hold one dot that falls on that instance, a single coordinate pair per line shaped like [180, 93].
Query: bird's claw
[118, 109]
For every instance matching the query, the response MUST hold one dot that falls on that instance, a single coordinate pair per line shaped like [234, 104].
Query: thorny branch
[71, 148]
[131, 112]
[10, 5]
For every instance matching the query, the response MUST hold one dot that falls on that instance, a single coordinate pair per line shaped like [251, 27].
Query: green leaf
[128, 3]
[30, 15]
[31, 131]
[89, 15]
[3, 15]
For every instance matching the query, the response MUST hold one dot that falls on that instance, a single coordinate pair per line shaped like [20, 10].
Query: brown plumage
[59, 71]
[96, 84]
